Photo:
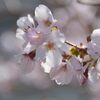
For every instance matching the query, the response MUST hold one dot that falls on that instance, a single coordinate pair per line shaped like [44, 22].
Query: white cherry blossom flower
[46, 44]
[28, 33]
[58, 70]
[63, 71]
[45, 19]
[55, 47]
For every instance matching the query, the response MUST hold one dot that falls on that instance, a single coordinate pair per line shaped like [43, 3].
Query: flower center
[47, 23]
[50, 45]
[31, 55]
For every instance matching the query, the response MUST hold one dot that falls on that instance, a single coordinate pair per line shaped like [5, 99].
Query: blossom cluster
[45, 45]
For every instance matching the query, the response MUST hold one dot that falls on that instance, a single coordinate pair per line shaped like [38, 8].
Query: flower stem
[73, 45]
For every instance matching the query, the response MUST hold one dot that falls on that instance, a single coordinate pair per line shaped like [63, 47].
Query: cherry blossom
[46, 45]
[28, 32]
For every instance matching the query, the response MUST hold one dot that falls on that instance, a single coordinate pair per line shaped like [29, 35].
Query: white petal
[92, 50]
[80, 76]
[82, 79]
[53, 59]
[22, 22]
[59, 39]
[58, 36]
[46, 67]
[96, 49]
[62, 75]
[42, 13]
[63, 48]
[37, 39]
[25, 22]
[28, 48]
[98, 65]
[40, 53]
[30, 19]
[93, 75]
[96, 36]
[25, 64]
[20, 34]
[76, 63]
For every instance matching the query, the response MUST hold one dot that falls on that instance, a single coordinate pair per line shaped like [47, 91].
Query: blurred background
[76, 19]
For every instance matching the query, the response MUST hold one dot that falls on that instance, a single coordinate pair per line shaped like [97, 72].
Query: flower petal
[76, 64]
[25, 22]
[43, 15]
[62, 74]
[96, 36]
[25, 64]
[93, 50]
[53, 59]
[93, 75]
[20, 34]
[28, 48]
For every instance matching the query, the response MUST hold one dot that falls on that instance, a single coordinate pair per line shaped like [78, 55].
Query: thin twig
[73, 45]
